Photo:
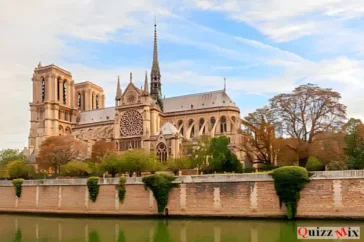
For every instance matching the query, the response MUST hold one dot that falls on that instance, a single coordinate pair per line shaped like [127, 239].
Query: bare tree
[307, 112]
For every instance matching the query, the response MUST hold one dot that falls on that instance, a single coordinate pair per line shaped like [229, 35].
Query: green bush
[178, 164]
[18, 169]
[93, 187]
[288, 182]
[248, 170]
[314, 164]
[121, 189]
[160, 184]
[337, 166]
[76, 168]
[18, 185]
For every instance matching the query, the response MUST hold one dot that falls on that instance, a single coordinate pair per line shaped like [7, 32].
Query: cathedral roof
[98, 115]
[167, 128]
[198, 101]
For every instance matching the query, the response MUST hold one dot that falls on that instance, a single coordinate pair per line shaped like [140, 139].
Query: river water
[53, 229]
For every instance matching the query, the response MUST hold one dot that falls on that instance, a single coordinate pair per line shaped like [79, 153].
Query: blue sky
[262, 47]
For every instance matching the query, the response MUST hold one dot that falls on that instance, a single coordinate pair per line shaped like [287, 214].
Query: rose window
[131, 123]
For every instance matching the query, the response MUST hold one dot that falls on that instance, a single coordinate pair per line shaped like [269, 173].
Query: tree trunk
[303, 161]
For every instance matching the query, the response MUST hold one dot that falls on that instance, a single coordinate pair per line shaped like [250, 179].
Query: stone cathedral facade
[141, 118]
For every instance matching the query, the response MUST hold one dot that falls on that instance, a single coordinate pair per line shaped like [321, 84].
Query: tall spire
[131, 77]
[118, 90]
[155, 65]
[155, 74]
[146, 87]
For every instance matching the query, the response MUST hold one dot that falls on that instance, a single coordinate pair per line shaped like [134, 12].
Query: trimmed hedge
[18, 185]
[121, 189]
[93, 187]
[288, 182]
[160, 184]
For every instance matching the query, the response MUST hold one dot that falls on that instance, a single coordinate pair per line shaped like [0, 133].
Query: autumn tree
[305, 113]
[59, 150]
[100, 149]
[258, 137]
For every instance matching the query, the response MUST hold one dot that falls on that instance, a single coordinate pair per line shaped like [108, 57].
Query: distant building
[141, 118]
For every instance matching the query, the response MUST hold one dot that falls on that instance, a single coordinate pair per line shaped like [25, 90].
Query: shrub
[160, 184]
[248, 170]
[288, 182]
[121, 189]
[314, 164]
[18, 169]
[178, 164]
[336, 166]
[76, 168]
[93, 187]
[18, 185]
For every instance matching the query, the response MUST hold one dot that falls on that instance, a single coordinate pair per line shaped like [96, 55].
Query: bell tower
[155, 74]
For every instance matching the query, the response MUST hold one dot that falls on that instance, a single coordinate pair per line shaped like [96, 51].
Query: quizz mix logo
[328, 233]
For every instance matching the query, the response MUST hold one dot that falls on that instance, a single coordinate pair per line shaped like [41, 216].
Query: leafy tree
[137, 160]
[113, 164]
[178, 164]
[354, 140]
[76, 168]
[258, 139]
[7, 155]
[18, 169]
[222, 159]
[59, 150]
[337, 166]
[314, 164]
[200, 152]
[306, 112]
[100, 149]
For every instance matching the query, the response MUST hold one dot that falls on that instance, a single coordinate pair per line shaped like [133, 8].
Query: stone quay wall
[338, 194]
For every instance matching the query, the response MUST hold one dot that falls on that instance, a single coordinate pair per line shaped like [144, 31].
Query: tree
[354, 140]
[76, 168]
[258, 139]
[137, 160]
[222, 159]
[100, 149]
[7, 155]
[175, 165]
[200, 152]
[18, 169]
[306, 112]
[113, 164]
[59, 150]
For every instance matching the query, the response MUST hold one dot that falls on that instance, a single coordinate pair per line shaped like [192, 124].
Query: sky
[261, 47]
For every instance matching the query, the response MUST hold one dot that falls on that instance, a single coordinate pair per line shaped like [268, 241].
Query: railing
[217, 178]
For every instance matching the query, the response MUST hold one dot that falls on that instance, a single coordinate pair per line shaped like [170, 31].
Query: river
[22, 228]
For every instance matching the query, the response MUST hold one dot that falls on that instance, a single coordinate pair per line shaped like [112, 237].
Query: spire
[146, 87]
[224, 84]
[131, 77]
[118, 90]
[155, 65]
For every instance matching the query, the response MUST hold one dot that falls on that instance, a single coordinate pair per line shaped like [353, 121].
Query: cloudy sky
[262, 47]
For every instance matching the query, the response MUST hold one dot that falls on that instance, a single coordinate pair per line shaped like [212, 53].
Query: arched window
[43, 89]
[202, 121]
[79, 100]
[223, 125]
[180, 123]
[97, 101]
[64, 92]
[61, 130]
[193, 127]
[58, 91]
[83, 101]
[212, 121]
[162, 152]
[233, 123]
[93, 97]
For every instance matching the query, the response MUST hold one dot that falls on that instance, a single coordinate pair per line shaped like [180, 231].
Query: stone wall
[329, 194]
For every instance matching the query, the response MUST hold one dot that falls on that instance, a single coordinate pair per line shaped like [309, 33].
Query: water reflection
[32, 228]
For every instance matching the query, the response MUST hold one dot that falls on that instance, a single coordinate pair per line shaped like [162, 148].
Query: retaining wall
[329, 194]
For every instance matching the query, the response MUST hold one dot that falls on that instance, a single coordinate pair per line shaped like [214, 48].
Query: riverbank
[333, 195]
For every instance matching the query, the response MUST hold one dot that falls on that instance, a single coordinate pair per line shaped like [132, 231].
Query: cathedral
[141, 117]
